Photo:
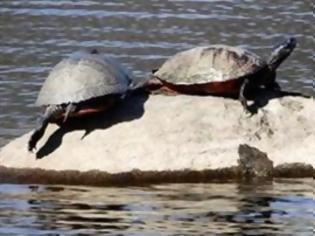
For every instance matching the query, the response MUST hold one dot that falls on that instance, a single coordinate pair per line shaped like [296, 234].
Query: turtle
[83, 84]
[219, 70]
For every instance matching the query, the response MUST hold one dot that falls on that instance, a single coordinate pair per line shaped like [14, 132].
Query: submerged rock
[172, 133]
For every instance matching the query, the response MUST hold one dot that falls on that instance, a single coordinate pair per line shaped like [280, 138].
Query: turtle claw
[249, 114]
[31, 149]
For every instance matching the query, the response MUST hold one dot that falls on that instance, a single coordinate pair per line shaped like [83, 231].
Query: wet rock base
[137, 177]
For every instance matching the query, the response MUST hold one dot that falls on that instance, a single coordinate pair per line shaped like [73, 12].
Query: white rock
[173, 133]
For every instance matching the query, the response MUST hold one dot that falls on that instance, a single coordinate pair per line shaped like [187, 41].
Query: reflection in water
[281, 207]
[35, 35]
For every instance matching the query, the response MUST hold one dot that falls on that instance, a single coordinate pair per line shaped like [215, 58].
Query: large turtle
[219, 70]
[83, 84]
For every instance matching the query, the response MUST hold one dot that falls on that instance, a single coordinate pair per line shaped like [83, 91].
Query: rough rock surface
[170, 133]
[254, 163]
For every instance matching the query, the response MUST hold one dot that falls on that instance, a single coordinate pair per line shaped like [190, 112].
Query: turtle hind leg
[50, 112]
[37, 134]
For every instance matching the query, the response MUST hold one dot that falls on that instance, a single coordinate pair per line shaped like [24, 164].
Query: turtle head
[281, 52]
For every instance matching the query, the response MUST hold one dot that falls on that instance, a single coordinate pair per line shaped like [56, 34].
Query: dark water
[279, 208]
[35, 35]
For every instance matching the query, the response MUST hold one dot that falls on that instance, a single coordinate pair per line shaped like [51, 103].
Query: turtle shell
[83, 76]
[216, 63]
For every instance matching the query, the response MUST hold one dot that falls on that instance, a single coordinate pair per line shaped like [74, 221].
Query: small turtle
[219, 70]
[83, 84]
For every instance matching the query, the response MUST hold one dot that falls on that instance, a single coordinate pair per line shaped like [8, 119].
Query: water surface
[280, 208]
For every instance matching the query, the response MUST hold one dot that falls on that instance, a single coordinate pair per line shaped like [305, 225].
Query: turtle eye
[292, 41]
[94, 51]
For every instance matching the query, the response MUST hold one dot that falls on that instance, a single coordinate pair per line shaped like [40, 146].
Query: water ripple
[175, 209]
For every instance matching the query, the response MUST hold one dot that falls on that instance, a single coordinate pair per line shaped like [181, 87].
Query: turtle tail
[281, 52]
[51, 111]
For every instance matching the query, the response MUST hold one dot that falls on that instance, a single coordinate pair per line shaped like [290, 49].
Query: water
[279, 208]
[35, 35]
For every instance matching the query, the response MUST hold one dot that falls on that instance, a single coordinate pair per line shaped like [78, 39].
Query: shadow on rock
[262, 97]
[129, 109]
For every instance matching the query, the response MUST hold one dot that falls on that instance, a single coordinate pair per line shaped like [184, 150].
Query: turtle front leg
[70, 109]
[50, 112]
[241, 97]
